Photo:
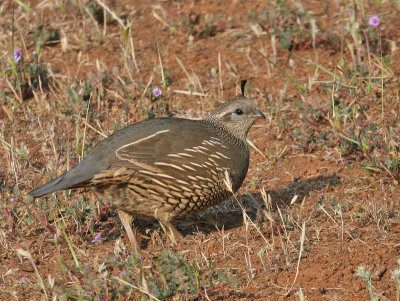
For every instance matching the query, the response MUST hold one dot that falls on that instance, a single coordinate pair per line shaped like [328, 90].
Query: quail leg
[127, 220]
[165, 219]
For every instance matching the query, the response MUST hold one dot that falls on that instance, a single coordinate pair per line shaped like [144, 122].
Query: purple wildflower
[123, 273]
[374, 21]
[17, 54]
[157, 92]
[97, 238]
[34, 52]
[346, 163]
[22, 280]
[13, 200]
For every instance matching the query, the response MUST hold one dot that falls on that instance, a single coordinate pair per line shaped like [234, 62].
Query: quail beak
[259, 115]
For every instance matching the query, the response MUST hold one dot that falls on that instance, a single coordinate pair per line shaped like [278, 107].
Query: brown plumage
[167, 167]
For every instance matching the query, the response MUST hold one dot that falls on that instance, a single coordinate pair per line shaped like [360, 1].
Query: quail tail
[54, 185]
[72, 179]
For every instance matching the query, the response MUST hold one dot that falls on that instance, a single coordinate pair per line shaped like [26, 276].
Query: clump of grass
[81, 212]
[292, 25]
[45, 36]
[362, 34]
[44, 220]
[82, 92]
[96, 11]
[23, 76]
[396, 276]
[366, 276]
[147, 102]
[172, 273]
[168, 275]
[200, 26]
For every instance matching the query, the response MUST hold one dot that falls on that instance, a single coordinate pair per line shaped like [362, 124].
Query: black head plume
[242, 85]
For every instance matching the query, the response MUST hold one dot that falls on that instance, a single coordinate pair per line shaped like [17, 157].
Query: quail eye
[239, 112]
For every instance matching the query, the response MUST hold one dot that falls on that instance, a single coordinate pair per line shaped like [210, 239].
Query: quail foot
[167, 167]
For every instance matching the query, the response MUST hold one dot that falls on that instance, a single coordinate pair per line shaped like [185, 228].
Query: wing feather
[175, 151]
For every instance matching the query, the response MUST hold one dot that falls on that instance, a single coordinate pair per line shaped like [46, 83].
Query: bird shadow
[229, 214]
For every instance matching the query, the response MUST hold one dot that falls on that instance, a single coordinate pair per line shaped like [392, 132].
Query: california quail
[167, 167]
